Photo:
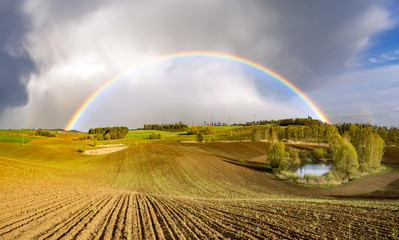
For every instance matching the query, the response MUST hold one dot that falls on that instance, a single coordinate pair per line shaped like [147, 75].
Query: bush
[82, 150]
[310, 178]
[290, 175]
[44, 133]
[107, 136]
[330, 176]
[195, 130]
[277, 157]
[318, 154]
[294, 156]
[155, 136]
[200, 137]
[345, 160]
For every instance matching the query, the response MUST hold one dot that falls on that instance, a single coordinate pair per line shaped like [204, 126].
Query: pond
[318, 169]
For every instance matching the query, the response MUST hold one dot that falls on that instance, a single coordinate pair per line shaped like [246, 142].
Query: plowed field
[182, 191]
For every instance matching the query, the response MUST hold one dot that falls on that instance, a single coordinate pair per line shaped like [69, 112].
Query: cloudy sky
[344, 55]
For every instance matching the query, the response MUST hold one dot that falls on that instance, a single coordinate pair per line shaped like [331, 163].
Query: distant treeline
[316, 133]
[174, 127]
[308, 129]
[389, 135]
[286, 122]
[109, 132]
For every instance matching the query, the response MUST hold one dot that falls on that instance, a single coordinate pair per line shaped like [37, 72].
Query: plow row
[130, 215]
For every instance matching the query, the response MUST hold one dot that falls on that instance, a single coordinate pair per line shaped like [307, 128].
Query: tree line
[107, 133]
[174, 127]
[316, 133]
[389, 135]
[288, 121]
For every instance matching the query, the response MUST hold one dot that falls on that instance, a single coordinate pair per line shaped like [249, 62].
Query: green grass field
[15, 139]
[145, 134]
[17, 131]
[227, 127]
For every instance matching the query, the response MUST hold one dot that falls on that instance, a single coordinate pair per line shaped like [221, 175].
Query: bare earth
[186, 191]
[105, 150]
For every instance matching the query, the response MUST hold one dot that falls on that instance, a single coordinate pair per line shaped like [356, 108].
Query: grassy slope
[15, 139]
[196, 170]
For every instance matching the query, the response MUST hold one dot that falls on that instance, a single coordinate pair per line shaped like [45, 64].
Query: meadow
[170, 188]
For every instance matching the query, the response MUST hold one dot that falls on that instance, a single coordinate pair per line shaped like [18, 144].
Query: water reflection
[315, 169]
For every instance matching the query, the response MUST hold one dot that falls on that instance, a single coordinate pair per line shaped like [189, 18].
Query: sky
[343, 55]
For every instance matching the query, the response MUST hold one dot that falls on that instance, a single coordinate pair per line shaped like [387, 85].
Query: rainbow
[86, 104]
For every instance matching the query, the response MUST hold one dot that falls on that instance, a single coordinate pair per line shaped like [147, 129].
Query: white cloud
[369, 95]
[386, 57]
[77, 46]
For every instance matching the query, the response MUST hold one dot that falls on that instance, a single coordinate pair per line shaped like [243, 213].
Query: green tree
[257, 135]
[107, 136]
[277, 156]
[345, 160]
[200, 137]
[369, 146]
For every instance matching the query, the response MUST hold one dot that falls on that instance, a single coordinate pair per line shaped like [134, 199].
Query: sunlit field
[175, 188]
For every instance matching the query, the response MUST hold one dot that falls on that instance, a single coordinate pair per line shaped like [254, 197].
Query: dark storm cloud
[314, 38]
[77, 45]
[14, 62]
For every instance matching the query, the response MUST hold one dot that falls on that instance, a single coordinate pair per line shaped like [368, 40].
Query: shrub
[345, 159]
[107, 136]
[277, 157]
[200, 137]
[155, 136]
[82, 150]
[290, 175]
[44, 133]
[310, 178]
[318, 153]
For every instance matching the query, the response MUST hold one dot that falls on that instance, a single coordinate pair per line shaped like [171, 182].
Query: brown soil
[189, 202]
[98, 213]
[101, 151]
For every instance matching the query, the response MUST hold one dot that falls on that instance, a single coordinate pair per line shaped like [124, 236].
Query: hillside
[175, 190]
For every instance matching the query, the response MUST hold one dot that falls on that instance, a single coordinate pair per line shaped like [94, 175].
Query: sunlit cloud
[69, 49]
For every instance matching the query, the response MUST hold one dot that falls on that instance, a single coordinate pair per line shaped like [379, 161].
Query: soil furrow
[39, 214]
[135, 216]
[169, 228]
[186, 225]
[219, 220]
[154, 220]
[80, 220]
[12, 208]
[128, 220]
[105, 232]
[95, 222]
[63, 219]
[149, 229]
[202, 226]
[120, 220]
[21, 213]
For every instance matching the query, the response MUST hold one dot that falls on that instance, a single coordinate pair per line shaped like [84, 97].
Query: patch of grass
[227, 127]
[17, 131]
[15, 139]
[145, 134]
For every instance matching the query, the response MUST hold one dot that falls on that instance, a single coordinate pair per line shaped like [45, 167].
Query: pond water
[316, 169]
